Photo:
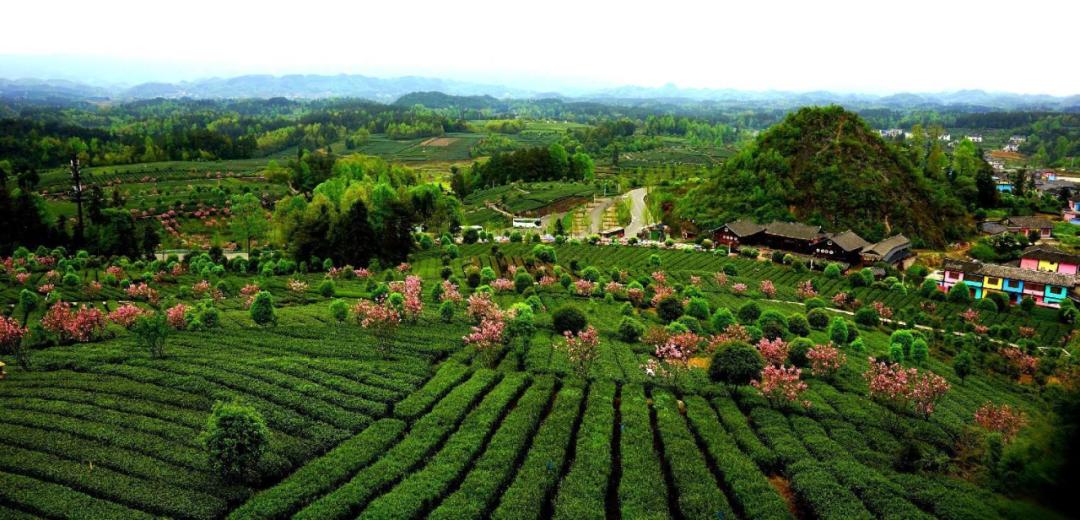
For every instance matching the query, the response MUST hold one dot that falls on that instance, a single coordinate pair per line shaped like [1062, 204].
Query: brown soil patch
[783, 487]
[1002, 154]
[439, 141]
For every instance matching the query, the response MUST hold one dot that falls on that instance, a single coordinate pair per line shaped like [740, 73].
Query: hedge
[423, 438]
[750, 489]
[417, 493]
[322, 474]
[641, 494]
[449, 374]
[494, 469]
[582, 492]
[54, 500]
[539, 474]
[699, 495]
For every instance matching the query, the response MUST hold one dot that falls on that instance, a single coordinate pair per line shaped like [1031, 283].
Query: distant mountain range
[386, 90]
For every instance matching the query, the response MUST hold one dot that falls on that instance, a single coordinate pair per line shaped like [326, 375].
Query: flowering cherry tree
[884, 311]
[767, 288]
[11, 334]
[660, 292]
[78, 325]
[738, 288]
[125, 315]
[248, 293]
[840, 300]
[900, 387]
[502, 285]
[479, 306]
[825, 360]
[1022, 364]
[450, 292]
[412, 290]
[805, 290]
[46, 288]
[970, 316]
[581, 349]
[584, 287]
[781, 385]
[201, 288]
[297, 287]
[380, 318]
[721, 278]
[142, 291]
[176, 316]
[1003, 419]
[774, 351]
[695, 280]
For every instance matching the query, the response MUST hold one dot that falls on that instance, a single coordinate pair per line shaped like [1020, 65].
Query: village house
[1043, 226]
[1049, 259]
[791, 236]
[895, 250]
[739, 232]
[1046, 289]
[975, 138]
[841, 247]
[1071, 213]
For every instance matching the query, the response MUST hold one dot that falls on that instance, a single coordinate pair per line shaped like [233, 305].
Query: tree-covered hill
[826, 165]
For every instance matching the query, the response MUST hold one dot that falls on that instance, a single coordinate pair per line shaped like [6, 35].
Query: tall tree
[353, 239]
[248, 219]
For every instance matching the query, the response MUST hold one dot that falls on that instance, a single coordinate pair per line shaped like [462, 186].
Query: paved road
[637, 212]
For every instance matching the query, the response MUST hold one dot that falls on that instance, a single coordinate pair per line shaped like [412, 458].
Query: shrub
[818, 318]
[630, 329]
[472, 276]
[339, 310]
[838, 331]
[814, 303]
[749, 312]
[326, 289]
[736, 363]
[773, 324]
[986, 304]
[236, 437]
[446, 311]
[691, 323]
[832, 271]
[920, 352]
[797, 352]
[798, 324]
[262, 309]
[959, 293]
[569, 318]
[670, 308]
[867, 317]
[150, 332]
[721, 319]
[698, 308]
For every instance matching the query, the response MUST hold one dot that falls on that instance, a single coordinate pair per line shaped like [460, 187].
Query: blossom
[781, 385]
[70, 324]
[176, 316]
[116, 271]
[635, 295]
[883, 310]
[738, 288]
[502, 285]
[584, 287]
[721, 278]
[613, 287]
[200, 288]
[362, 273]
[248, 292]
[1026, 332]
[11, 334]
[547, 281]
[825, 360]
[1021, 363]
[840, 299]
[659, 293]
[141, 290]
[653, 368]
[774, 351]
[767, 288]
[970, 315]
[46, 288]
[22, 278]
[805, 290]
[678, 349]
[480, 306]
[414, 303]
[297, 287]
[125, 315]
[403, 267]
[450, 292]
[488, 334]
[659, 277]
[1003, 419]
[893, 383]
[93, 288]
[695, 280]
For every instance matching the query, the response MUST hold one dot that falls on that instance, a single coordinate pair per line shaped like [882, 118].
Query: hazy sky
[875, 46]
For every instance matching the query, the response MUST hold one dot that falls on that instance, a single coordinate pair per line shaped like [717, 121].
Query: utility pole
[77, 190]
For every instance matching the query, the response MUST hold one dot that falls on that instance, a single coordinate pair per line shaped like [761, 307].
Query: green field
[425, 429]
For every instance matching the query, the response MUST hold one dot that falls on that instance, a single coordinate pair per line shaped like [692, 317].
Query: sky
[868, 46]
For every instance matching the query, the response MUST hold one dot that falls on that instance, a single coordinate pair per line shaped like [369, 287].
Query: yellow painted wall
[991, 283]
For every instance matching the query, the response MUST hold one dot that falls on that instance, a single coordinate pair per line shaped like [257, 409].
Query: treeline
[530, 164]
[1054, 140]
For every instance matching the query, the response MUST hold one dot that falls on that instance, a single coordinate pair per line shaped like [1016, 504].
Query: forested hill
[824, 165]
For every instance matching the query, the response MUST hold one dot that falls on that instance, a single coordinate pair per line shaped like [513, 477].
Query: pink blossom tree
[381, 319]
[1003, 419]
[125, 315]
[825, 360]
[767, 288]
[581, 349]
[781, 385]
[774, 351]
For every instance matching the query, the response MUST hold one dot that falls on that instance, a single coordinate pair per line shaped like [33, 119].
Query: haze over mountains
[311, 86]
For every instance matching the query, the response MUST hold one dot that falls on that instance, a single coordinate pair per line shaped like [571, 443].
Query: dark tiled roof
[849, 241]
[744, 228]
[887, 246]
[1050, 254]
[1029, 222]
[992, 228]
[793, 230]
[1012, 273]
